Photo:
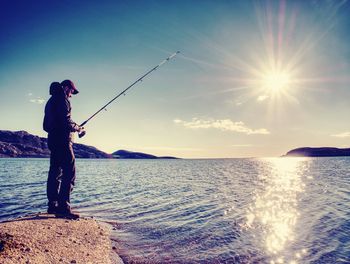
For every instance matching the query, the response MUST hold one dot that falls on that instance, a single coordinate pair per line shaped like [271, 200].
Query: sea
[251, 210]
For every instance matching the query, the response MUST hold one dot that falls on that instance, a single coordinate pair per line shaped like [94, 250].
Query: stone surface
[46, 239]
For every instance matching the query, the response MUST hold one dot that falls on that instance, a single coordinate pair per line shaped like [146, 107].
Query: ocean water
[273, 210]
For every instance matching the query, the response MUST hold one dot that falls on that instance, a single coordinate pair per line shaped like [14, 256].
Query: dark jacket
[57, 121]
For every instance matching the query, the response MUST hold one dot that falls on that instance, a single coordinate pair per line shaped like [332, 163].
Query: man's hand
[81, 132]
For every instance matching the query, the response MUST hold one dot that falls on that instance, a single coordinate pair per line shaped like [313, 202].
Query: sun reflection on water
[274, 212]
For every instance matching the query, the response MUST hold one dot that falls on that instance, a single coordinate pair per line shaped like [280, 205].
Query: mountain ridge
[21, 144]
[318, 152]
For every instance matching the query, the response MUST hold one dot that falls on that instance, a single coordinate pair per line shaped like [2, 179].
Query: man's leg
[68, 178]
[53, 181]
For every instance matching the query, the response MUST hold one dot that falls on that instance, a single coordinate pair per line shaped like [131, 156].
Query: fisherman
[60, 128]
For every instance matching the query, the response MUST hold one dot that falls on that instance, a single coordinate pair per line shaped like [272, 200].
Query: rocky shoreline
[43, 238]
[21, 144]
[318, 152]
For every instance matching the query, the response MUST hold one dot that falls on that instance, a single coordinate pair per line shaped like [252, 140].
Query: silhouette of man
[60, 128]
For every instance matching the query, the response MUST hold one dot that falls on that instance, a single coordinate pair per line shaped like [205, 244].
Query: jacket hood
[56, 89]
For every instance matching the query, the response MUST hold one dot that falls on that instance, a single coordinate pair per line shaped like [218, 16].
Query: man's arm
[65, 118]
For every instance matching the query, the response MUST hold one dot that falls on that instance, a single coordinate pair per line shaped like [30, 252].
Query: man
[60, 128]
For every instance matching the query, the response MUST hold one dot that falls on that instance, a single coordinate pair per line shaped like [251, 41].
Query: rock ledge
[42, 238]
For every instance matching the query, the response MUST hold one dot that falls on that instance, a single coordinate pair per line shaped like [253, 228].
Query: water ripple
[203, 211]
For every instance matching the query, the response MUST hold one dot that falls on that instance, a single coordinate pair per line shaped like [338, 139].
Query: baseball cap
[71, 85]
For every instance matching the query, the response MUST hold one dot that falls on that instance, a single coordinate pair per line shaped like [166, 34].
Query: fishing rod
[81, 134]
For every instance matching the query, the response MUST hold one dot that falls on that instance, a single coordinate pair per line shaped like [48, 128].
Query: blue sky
[254, 78]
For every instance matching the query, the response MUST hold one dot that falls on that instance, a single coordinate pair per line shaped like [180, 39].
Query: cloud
[342, 135]
[37, 101]
[224, 125]
[262, 98]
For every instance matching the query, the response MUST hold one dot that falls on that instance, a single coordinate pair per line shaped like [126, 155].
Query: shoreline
[43, 238]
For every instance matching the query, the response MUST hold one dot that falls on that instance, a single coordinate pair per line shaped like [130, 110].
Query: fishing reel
[81, 134]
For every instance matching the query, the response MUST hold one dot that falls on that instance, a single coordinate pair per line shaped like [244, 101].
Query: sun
[276, 82]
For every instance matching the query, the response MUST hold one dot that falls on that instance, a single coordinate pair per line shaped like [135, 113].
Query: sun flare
[276, 82]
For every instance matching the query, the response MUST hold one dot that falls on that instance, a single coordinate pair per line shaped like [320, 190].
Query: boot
[52, 207]
[66, 213]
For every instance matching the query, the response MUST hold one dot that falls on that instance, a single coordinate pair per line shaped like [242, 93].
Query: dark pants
[61, 174]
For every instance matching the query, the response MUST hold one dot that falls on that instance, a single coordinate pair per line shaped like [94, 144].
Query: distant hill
[125, 154]
[21, 144]
[318, 152]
